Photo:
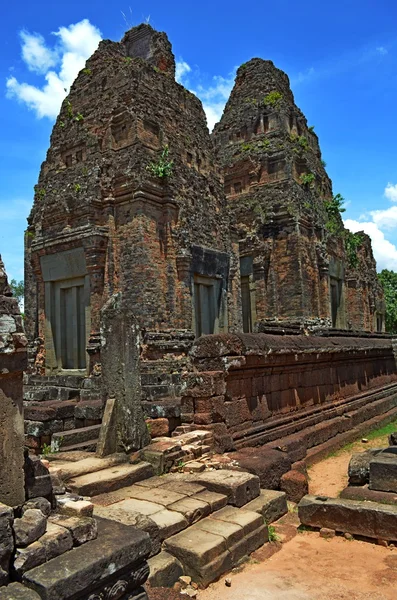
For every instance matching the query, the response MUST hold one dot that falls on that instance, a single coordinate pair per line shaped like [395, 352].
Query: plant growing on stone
[273, 537]
[311, 128]
[272, 99]
[40, 192]
[163, 167]
[302, 141]
[79, 117]
[77, 187]
[388, 280]
[352, 242]
[307, 178]
[69, 109]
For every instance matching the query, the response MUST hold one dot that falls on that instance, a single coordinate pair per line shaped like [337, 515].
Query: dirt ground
[311, 568]
[329, 476]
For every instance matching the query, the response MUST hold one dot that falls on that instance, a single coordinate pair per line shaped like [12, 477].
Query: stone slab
[17, 591]
[368, 519]
[216, 501]
[156, 495]
[110, 479]
[117, 548]
[169, 523]
[192, 509]
[144, 507]
[383, 473]
[239, 487]
[271, 504]
[195, 547]
[249, 521]
[268, 464]
[165, 570]
[355, 492]
[87, 465]
[183, 487]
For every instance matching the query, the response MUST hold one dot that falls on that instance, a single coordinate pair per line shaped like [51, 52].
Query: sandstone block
[77, 573]
[271, 504]
[239, 487]
[165, 570]
[82, 529]
[6, 541]
[295, 485]
[56, 541]
[29, 557]
[383, 473]
[17, 591]
[38, 503]
[158, 427]
[80, 508]
[29, 528]
[268, 464]
[169, 522]
[216, 501]
[192, 509]
[358, 470]
[369, 519]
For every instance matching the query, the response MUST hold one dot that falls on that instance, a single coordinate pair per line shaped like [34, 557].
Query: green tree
[388, 280]
[18, 289]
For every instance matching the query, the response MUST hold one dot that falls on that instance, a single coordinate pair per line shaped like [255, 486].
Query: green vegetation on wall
[388, 280]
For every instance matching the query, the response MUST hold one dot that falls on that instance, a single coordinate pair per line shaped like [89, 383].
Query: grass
[376, 434]
[273, 537]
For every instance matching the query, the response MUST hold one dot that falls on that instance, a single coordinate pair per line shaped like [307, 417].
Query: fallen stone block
[271, 504]
[393, 439]
[38, 503]
[136, 519]
[117, 555]
[82, 529]
[165, 570]
[239, 487]
[355, 492]
[6, 541]
[29, 528]
[28, 558]
[358, 470]
[110, 479]
[169, 522]
[383, 473]
[216, 501]
[295, 484]
[369, 519]
[78, 508]
[56, 541]
[17, 591]
[268, 464]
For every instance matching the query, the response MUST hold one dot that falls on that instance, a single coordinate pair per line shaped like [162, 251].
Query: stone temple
[195, 308]
[216, 246]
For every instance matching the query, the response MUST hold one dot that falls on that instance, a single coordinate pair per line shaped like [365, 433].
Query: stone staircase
[200, 524]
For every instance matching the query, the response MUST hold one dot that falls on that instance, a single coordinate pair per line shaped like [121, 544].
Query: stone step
[110, 479]
[217, 543]
[271, 504]
[67, 470]
[165, 570]
[97, 566]
[76, 436]
[239, 487]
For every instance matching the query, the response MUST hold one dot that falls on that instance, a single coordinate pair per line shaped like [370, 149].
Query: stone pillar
[13, 361]
[120, 349]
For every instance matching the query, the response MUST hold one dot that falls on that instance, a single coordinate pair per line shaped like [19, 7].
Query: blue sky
[340, 57]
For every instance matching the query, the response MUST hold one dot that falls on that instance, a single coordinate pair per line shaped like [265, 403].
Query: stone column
[13, 361]
[120, 349]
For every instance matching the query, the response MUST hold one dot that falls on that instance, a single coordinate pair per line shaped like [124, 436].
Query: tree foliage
[18, 290]
[388, 280]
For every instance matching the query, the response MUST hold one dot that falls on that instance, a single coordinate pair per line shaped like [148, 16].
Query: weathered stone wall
[140, 233]
[243, 384]
[278, 191]
[13, 360]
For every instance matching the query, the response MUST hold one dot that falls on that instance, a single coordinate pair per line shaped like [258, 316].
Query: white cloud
[381, 50]
[384, 251]
[182, 68]
[385, 219]
[213, 95]
[391, 192]
[37, 56]
[75, 44]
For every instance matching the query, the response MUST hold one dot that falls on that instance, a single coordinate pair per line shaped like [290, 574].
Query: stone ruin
[230, 233]
[188, 294]
[37, 528]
